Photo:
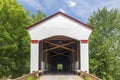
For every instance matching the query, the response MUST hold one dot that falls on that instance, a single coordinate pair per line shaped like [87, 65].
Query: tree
[37, 17]
[14, 39]
[105, 44]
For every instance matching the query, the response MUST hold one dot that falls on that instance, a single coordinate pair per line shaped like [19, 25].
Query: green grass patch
[32, 78]
[88, 78]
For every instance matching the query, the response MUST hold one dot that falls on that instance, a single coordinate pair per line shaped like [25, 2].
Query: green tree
[14, 39]
[37, 17]
[105, 44]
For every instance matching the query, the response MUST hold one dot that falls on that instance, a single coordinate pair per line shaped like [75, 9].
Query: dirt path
[60, 77]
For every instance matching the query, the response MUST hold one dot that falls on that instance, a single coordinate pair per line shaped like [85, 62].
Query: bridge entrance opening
[59, 54]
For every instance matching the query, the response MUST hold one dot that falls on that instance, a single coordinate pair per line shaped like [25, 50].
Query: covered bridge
[59, 40]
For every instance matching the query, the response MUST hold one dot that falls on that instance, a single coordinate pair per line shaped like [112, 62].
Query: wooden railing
[35, 74]
[84, 75]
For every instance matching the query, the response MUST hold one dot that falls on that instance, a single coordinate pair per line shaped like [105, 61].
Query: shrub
[88, 78]
[32, 78]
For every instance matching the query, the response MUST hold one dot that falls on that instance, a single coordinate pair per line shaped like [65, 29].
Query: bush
[32, 78]
[88, 78]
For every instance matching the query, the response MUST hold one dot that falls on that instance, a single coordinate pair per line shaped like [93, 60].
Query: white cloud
[111, 4]
[81, 8]
[61, 10]
[85, 8]
[32, 3]
[71, 3]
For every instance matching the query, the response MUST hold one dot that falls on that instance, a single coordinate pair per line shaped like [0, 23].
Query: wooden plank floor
[60, 77]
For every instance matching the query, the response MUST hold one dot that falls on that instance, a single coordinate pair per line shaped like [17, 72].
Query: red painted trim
[34, 41]
[81, 23]
[84, 41]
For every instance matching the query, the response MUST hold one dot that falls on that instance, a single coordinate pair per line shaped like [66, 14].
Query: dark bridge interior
[59, 54]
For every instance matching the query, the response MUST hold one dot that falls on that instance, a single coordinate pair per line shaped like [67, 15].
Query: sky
[78, 9]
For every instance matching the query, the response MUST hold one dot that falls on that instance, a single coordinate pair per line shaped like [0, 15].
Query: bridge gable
[60, 24]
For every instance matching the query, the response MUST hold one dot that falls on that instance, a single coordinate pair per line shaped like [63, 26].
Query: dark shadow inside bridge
[59, 54]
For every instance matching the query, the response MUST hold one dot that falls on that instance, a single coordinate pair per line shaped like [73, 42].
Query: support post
[78, 56]
[42, 57]
[34, 58]
[84, 56]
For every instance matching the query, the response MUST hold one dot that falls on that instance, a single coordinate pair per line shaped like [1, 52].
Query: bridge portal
[59, 43]
[59, 54]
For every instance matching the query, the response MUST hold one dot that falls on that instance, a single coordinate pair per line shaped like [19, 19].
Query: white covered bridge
[59, 44]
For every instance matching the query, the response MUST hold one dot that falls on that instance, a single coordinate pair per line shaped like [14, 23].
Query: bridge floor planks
[60, 77]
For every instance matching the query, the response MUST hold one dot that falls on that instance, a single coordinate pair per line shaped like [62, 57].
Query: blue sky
[79, 9]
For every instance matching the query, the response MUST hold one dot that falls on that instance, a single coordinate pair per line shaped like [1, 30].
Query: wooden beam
[64, 55]
[68, 44]
[60, 46]
[68, 49]
[56, 54]
[59, 54]
[51, 43]
[51, 48]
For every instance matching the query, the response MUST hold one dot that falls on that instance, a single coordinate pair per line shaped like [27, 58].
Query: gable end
[65, 15]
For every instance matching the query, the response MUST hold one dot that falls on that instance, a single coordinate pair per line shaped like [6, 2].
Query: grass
[32, 78]
[88, 78]
[4, 78]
